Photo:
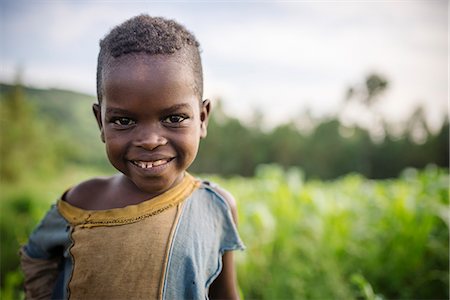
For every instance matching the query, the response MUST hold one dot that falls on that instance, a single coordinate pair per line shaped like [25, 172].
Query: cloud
[301, 54]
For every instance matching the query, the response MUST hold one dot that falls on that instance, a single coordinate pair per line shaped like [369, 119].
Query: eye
[174, 119]
[123, 121]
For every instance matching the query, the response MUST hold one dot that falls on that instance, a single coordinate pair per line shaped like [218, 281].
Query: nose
[150, 137]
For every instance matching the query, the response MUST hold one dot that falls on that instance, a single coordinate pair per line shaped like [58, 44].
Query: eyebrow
[168, 110]
[177, 107]
[114, 110]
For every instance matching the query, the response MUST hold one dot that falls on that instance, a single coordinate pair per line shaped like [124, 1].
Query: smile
[150, 164]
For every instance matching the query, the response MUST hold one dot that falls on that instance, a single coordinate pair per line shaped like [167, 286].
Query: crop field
[349, 238]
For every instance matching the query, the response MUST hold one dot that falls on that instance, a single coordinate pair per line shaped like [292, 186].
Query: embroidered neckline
[131, 213]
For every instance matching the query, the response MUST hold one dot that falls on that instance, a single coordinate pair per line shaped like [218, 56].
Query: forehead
[152, 76]
[148, 66]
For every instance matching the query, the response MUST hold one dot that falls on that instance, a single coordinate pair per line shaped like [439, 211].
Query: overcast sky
[279, 57]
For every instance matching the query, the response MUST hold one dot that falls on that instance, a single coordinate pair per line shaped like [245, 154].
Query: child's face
[151, 119]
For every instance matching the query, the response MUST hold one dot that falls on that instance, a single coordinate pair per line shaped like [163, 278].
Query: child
[152, 231]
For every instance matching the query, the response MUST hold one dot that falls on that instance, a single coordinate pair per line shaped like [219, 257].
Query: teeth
[149, 164]
[159, 162]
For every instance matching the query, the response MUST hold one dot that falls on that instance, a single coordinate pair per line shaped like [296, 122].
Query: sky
[281, 58]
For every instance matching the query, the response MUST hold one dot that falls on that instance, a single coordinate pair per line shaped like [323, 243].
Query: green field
[350, 238]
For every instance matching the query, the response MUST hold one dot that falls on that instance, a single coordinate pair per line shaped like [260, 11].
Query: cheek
[114, 146]
[189, 145]
[194, 147]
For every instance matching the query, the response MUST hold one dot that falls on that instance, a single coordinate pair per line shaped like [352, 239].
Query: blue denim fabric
[204, 232]
[51, 239]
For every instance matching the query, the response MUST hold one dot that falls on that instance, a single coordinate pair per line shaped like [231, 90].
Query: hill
[67, 117]
[328, 151]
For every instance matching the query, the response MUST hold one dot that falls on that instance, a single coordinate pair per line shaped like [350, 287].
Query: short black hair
[153, 36]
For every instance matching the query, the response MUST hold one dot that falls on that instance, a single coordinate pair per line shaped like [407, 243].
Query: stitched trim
[168, 248]
[67, 291]
[132, 213]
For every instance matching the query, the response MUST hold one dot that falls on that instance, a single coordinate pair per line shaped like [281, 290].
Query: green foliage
[21, 146]
[45, 129]
[22, 204]
[351, 238]
[20, 213]
[330, 150]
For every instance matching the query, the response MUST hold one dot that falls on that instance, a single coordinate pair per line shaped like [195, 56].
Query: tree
[26, 143]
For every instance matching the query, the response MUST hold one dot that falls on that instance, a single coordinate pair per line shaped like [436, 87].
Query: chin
[154, 185]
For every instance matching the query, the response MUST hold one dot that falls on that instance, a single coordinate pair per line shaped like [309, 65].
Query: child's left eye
[174, 119]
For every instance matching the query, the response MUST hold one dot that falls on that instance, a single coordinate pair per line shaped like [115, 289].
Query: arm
[225, 285]
[41, 257]
[39, 275]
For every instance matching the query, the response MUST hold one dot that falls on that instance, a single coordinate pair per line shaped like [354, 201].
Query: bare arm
[225, 285]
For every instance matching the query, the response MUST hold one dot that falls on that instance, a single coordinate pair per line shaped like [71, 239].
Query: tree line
[233, 148]
[330, 149]
[37, 137]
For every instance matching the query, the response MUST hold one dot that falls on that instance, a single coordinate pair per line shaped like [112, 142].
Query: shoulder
[83, 194]
[225, 195]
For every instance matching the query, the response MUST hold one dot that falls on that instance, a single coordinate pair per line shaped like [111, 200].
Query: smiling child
[152, 231]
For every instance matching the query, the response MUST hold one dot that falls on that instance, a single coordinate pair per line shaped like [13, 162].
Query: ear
[97, 110]
[204, 115]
